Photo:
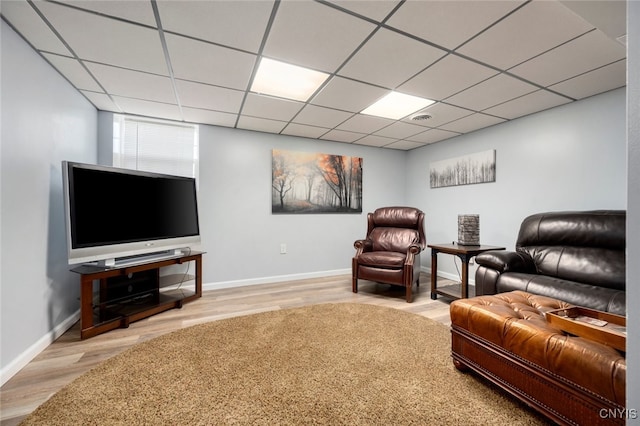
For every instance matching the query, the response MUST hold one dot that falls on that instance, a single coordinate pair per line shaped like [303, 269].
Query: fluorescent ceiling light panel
[397, 105]
[286, 81]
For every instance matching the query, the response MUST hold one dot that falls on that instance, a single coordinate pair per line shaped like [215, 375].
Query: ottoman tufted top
[515, 321]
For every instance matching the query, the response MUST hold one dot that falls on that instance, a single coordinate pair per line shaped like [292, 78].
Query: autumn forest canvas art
[304, 182]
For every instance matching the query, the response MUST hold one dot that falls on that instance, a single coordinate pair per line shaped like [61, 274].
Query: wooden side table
[465, 253]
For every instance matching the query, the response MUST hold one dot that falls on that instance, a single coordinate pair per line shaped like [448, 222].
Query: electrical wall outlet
[283, 248]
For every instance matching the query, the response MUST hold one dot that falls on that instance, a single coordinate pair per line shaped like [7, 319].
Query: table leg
[434, 274]
[464, 285]
[86, 303]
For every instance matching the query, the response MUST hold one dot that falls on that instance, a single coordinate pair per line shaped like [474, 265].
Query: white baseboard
[274, 279]
[34, 350]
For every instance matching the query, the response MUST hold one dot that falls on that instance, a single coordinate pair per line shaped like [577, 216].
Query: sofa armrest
[506, 261]
[491, 264]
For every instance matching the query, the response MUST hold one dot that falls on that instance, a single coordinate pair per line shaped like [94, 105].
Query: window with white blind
[155, 145]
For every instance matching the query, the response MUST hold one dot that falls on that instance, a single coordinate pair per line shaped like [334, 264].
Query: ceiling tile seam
[359, 16]
[101, 14]
[213, 43]
[167, 58]
[256, 62]
[424, 69]
[507, 72]
[587, 72]
[68, 47]
[493, 24]
[120, 67]
[552, 48]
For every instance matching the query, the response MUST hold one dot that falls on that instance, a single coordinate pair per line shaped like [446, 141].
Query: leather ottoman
[506, 339]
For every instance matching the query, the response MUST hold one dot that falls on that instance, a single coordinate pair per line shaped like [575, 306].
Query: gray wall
[241, 236]
[44, 121]
[572, 157]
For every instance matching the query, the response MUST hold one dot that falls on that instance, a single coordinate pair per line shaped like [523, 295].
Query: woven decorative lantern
[469, 229]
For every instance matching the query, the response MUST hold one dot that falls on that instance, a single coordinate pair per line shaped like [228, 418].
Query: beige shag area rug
[328, 364]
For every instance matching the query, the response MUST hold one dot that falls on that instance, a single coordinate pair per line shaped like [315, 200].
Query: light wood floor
[69, 357]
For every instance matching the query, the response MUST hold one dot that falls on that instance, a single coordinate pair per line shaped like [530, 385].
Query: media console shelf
[130, 293]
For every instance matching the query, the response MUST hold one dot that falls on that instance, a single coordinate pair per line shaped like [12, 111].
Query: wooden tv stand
[130, 293]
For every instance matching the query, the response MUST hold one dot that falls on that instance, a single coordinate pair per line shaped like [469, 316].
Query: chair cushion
[393, 239]
[382, 259]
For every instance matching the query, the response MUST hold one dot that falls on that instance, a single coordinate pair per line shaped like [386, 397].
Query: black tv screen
[113, 213]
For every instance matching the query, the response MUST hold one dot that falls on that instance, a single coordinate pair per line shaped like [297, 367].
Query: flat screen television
[116, 215]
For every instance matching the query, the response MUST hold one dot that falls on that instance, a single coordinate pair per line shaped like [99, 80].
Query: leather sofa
[576, 256]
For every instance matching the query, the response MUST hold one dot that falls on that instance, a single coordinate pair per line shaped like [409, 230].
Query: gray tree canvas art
[468, 169]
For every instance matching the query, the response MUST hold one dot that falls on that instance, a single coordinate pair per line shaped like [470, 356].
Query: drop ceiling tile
[471, 123]
[608, 16]
[432, 135]
[449, 23]
[148, 108]
[349, 95]
[586, 53]
[493, 91]
[342, 136]
[197, 95]
[400, 130]
[372, 140]
[74, 72]
[527, 104]
[446, 77]
[137, 11]
[440, 113]
[25, 19]
[321, 117]
[127, 45]
[294, 129]
[101, 101]
[364, 123]
[600, 80]
[533, 29]
[239, 24]
[376, 10]
[260, 124]
[314, 35]
[389, 59]
[208, 63]
[216, 118]
[269, 107]
[404, 145]
[133, 84]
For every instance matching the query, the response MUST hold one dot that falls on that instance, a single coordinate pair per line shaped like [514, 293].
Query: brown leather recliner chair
[390, 254]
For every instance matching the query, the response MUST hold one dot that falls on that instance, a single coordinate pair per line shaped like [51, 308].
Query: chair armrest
[506, 261]
[411, 254]
[362, 246]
